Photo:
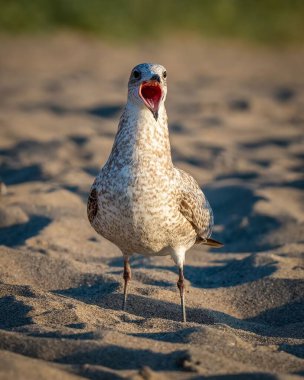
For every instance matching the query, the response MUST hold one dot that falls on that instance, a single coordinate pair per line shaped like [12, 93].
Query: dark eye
[165, 74]
[136, 74]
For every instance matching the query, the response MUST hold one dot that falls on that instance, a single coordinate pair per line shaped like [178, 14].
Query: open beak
[151, 94]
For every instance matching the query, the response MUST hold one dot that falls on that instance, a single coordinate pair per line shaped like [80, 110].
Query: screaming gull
[139, 200]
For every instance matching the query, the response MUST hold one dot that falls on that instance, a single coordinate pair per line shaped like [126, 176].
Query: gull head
[148, 86]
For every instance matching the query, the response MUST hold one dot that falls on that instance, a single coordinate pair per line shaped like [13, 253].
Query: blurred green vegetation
[268, 21]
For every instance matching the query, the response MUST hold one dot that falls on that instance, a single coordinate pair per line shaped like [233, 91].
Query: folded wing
[196, 209]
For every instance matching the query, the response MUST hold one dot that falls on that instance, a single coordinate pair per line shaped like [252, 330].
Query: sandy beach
[236, 117]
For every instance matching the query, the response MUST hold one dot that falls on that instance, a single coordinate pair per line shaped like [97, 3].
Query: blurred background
[236, 118]
[235, 76]
[268, 21]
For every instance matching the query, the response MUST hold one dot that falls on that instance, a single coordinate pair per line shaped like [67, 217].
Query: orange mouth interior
[151, 94]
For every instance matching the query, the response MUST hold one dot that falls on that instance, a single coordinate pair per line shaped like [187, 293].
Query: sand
[236, 118]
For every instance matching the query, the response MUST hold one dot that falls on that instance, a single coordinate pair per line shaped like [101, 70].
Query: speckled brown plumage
[92, 208]
[139, 200]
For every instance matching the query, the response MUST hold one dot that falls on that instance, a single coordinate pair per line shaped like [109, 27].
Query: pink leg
[127, 278]
[181, 287]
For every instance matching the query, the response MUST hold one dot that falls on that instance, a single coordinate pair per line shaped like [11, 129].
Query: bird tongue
[151, 94]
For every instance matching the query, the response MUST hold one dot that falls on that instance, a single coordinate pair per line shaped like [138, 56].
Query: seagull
[139, 200]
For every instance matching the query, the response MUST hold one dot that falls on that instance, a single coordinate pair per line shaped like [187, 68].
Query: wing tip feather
[213, 243]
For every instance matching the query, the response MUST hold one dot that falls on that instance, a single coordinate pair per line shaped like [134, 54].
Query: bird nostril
[156, 77]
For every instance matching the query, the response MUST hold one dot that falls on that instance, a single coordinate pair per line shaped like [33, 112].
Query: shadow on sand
[231, 273]
[13, 313]
[126, 358]
[17, 234]
[103, 111]
[270, 322]
[243, 227]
